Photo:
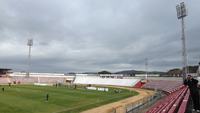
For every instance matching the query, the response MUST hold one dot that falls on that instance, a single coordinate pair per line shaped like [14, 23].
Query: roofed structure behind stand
[111, 75]
[193, 70]
[4, 72]
[176, 72]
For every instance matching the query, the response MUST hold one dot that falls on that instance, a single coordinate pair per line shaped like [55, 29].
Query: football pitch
[32, 99]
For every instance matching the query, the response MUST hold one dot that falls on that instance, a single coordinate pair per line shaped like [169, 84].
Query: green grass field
[31, 99]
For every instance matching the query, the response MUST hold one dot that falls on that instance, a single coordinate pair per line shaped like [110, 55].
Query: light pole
[198, 70]
[29, 44]
[146, 68]
[181, 13]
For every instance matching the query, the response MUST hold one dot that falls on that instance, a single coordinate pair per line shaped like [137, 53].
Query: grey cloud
[95, 35]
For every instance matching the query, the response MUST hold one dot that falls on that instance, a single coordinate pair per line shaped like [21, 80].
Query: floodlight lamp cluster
[30, 42]
[181, 10]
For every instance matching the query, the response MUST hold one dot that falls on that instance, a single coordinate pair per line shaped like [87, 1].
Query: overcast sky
[96, 35]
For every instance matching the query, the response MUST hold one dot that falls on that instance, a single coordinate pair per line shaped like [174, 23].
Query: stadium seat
[105, 81]
[4, 80]
[184, 104]
[173, 102]
[164, 85]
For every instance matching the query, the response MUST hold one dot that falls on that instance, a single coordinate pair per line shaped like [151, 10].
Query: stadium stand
[4, 80]
[174, 102]
[164, 85]
[48, 80]
[22, 79]
[105, 81]
[51, 80]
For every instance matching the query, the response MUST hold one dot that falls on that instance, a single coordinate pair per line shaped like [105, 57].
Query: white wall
[143, 75]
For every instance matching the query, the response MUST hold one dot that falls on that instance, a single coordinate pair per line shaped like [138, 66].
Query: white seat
[105, 81]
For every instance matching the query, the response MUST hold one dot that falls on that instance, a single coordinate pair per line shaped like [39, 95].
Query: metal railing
[138, 107]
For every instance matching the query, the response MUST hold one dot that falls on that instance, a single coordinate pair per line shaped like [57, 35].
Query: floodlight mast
[29, 44]
[146, 68]
[198, 70]
[181, 13]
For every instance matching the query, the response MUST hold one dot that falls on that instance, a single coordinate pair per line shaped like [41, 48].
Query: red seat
[171, 103]
[183, 106]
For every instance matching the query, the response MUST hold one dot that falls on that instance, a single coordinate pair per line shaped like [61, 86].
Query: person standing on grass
[9, 84]
[192, 84]
[47, 97]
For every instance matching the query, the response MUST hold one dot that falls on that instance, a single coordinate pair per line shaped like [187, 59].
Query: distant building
[120, 76]
[174, 72]
[193, 70]
[149, 75]
[198, 71]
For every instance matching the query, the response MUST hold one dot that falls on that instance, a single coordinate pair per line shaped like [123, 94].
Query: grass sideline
[31, 99]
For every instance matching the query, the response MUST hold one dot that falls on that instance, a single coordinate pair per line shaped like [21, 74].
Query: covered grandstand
[48, 78]
[4, 72]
